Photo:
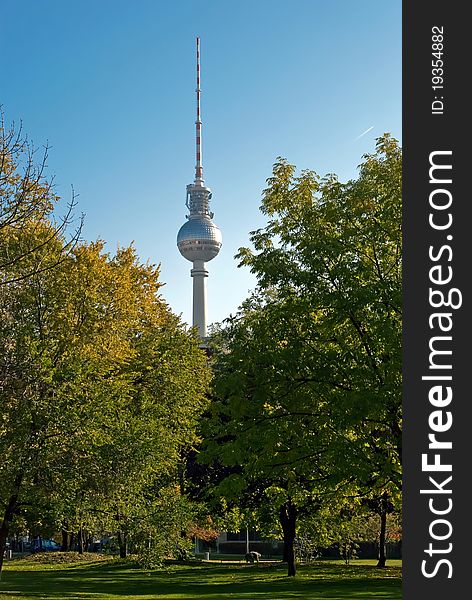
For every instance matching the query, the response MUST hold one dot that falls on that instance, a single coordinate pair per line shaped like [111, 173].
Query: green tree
[102, 387]
[308, 377]
[100, 384]
[161, 381]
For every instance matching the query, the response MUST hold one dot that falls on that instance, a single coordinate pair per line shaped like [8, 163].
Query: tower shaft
[199, 274]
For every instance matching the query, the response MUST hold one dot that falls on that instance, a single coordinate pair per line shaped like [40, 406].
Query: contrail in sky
[362, 134]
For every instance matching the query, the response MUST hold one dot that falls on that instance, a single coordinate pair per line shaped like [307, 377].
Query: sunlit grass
[332, 580]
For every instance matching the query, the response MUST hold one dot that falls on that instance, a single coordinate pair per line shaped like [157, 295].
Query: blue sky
[110, 85]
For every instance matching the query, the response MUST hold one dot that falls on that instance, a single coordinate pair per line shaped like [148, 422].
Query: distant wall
[366, 550]
[267, 549]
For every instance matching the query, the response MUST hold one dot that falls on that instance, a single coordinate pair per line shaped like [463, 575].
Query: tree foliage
[101, 386]
[308, 373]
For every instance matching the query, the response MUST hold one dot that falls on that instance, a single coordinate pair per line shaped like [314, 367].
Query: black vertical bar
[436, 120]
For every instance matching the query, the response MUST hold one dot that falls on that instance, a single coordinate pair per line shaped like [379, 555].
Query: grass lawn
[26, 579]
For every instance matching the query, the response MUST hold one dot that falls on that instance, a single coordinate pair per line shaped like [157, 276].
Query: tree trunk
[122, 542]
[383, 531]
[81, 541]
[288, 518]
[65, 540]
[8, 518]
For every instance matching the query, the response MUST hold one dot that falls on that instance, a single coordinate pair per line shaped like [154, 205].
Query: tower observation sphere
[199, 239]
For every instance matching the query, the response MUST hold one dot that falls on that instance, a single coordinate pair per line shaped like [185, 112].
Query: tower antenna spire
[198, 125]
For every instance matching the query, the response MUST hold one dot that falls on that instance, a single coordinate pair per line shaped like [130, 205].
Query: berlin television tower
[199, 239]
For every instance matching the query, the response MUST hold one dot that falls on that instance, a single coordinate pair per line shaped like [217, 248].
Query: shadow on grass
[215, 582]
